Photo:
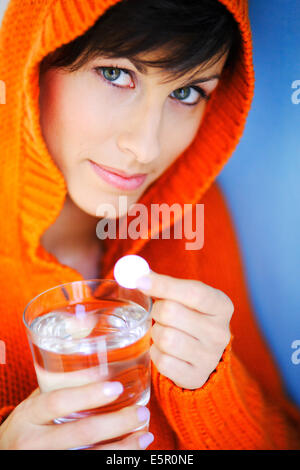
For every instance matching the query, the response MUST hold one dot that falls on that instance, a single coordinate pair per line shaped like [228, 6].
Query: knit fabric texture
[242, 405]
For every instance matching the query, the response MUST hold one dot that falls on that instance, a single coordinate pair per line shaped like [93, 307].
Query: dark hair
[188, 32]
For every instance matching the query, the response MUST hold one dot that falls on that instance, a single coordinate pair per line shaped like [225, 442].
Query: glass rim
[94, 338]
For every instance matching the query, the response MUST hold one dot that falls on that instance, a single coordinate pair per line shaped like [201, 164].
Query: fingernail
[145, 440]
[143, 413]
[143, 282]
[112, 388]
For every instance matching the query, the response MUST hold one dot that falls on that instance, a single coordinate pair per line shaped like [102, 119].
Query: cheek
[72, 117]
[181, 129]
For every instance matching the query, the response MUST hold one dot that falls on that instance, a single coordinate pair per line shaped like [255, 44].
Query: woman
[158, 90]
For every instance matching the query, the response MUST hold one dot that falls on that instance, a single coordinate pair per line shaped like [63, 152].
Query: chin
[104, 205]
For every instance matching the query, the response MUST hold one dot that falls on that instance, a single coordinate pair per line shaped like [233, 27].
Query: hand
[30, 426]
[191, 328]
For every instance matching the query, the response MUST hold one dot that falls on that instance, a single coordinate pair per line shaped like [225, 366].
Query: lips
[120, 173]
[119, 178]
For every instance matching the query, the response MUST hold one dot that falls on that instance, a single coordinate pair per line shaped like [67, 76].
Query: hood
[33, 190]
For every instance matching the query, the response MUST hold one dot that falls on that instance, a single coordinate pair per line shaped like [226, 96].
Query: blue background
[261, 182]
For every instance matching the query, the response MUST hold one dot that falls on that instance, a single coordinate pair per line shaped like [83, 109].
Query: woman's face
[129, 121]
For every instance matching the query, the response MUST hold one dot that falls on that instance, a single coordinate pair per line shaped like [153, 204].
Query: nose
[140, 135]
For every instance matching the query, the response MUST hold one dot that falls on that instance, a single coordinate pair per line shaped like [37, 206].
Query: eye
[189, 95]
[122, 78]
[116, 76]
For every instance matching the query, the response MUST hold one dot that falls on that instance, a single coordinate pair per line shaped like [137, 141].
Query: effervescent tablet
[129, 269]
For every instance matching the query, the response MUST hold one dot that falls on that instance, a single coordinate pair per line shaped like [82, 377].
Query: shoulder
[221, 239]
[217, 214]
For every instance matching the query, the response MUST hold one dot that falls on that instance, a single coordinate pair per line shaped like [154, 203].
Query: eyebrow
[202, 79]
[144, 70]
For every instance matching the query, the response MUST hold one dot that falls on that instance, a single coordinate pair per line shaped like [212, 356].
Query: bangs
[186, 34]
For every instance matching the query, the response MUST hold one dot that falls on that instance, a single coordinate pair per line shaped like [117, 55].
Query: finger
[184, 375]
[46, 407]
[175, 315]
[34, 393]
[182, 346]
[180, 372]
[135, 441]
[191, 293]
[176, 343]
[96, 428]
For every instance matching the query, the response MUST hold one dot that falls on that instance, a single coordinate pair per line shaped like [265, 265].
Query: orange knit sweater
[242, 405]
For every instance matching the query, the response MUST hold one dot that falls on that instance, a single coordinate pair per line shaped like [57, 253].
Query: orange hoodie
[242, 405]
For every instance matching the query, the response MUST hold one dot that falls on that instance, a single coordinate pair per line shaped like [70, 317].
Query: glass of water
[88, 331]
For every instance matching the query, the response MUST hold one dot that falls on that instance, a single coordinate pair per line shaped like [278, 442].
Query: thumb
[157, 285]
[145, 282]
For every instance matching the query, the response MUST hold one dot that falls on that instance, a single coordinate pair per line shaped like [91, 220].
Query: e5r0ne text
[171, 459]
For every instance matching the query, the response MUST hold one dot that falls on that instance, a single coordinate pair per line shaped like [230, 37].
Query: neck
[73, 228]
